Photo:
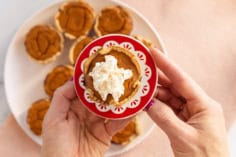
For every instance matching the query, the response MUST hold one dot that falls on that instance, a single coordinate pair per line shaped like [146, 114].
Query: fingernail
[149, 105]
[71, 79]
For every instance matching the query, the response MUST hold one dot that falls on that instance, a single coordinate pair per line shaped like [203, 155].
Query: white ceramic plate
[24, 77]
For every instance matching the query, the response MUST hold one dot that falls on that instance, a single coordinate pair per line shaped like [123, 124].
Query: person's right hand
[193, 122]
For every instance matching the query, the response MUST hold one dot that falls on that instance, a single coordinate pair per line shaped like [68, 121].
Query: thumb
[61, 102]
[167, 120]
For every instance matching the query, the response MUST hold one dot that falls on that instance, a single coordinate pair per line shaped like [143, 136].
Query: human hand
[193, 122]
[70, 130]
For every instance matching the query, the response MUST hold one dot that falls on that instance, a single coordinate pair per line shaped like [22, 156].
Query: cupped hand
[192, 120]
[70, 130]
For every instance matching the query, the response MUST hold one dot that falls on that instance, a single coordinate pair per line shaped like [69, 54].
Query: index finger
[61, 101]
[180, 81]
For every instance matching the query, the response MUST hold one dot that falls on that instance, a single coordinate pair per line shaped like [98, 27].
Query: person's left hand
[70, 130]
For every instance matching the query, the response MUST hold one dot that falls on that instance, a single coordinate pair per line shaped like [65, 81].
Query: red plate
[148, 81]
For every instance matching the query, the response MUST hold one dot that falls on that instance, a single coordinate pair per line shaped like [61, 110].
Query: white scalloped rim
[146, 74]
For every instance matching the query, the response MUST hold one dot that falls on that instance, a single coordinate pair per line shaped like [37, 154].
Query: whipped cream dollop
[108, 78]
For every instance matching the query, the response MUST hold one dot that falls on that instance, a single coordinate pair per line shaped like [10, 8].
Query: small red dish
[148, 81]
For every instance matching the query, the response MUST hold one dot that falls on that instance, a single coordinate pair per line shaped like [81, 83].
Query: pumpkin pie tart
[36, 115]
[112, 75]
[43, 43]
[113, 20]
[145, 41]
[77, 47]
[127, 134]
[74, 19]
[57, 77]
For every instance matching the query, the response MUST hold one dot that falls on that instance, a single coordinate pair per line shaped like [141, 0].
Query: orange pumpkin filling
[125, 135]
[114, 20]
[43, 43]
[75, 19]
[56, 78]
[78, 46]
[126, 60]
[36, 115]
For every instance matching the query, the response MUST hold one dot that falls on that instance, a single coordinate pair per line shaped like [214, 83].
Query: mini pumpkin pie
[145, 41]
[127, 134]
[112, 75]
[77, 47]
[57, 77]
[75, 19]
[36, 115]
[43, 43]
[113, 20]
